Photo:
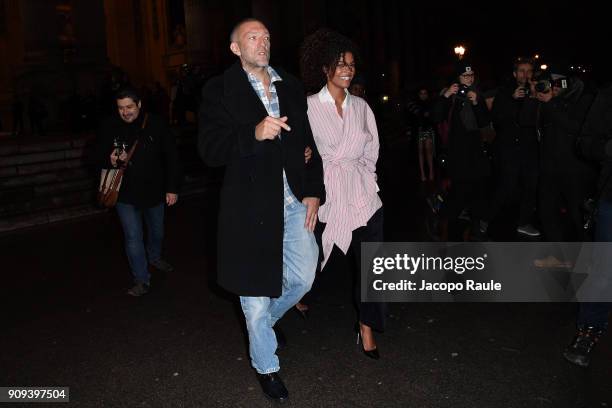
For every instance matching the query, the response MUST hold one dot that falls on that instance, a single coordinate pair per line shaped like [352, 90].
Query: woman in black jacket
[466, 113]
[152, 178]
[421, 110]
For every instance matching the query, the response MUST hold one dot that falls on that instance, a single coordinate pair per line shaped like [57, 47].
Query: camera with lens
[527, 91]
[543, 85]
[463, 90]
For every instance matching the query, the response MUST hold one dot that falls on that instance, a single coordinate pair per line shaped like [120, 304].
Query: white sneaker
[528, 230]
[138, 289]
[484, 226]
[465, 216]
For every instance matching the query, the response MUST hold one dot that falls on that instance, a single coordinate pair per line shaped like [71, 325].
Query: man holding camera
[566, 180]
[514, 117]
[152, 180]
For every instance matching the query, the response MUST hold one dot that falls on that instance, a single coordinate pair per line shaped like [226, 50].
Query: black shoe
[281, 340]
[273, 387]
[373, 354]
[162, 265]
[579, 352]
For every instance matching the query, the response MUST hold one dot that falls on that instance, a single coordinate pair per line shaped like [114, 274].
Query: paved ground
[66, 322]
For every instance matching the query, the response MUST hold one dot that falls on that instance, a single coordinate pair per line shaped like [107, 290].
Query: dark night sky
[494, 32]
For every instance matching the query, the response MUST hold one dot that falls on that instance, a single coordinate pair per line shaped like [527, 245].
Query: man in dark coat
[596, 145]
[253, 120]
[514, 116]
[151, 181]
[566, 179]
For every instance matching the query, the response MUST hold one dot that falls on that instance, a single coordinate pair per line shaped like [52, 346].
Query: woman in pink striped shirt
[345, 133]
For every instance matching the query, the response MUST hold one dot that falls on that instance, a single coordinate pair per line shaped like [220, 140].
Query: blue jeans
[300, 256]
[596, 314]
[131, 221]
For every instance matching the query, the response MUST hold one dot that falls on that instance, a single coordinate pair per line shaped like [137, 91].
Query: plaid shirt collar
[272, 106]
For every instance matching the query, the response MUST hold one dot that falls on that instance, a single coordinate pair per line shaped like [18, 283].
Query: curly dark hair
[321, 49]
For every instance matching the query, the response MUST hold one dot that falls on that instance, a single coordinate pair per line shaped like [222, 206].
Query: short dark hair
[128, 93]
[522, 61]
[240, 23]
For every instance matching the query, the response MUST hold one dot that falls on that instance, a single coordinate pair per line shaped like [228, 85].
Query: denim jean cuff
[269, 371]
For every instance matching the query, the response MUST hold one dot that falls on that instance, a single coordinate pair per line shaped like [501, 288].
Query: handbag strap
[131, 152]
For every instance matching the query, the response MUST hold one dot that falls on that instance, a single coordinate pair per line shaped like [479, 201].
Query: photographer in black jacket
[152, 181]
[514, 117]
[566, 180]
[466, 112]
[596, 145]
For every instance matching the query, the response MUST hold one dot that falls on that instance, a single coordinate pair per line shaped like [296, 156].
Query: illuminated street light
[385, 98]
[543, 67]
[537, 56]
[459, 51]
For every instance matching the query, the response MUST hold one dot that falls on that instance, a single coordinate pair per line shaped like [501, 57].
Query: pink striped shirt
[349, 148]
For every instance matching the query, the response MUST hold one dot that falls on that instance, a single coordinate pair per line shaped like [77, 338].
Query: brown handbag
[110, 179]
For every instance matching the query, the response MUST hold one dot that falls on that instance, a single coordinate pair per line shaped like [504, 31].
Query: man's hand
[452, 90]
[307, 154]
[544, 97]
[171, 199]
[114, 157]
[519, 93]
[270, 128]
[312, 204]
[473, 96]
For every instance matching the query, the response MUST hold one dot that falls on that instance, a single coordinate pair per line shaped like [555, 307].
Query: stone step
[22, 159]
[40, 145]
[45, 217]
[36, 204]
[46, 178]
[34, 219]
[28, 169]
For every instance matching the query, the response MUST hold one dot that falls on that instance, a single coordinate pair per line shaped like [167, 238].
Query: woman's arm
[370, 150]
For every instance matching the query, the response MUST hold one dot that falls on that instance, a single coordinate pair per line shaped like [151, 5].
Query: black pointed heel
[373, 354]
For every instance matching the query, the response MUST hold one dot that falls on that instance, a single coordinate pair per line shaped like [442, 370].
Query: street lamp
[459, 51]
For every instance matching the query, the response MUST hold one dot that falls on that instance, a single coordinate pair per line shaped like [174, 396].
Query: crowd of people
[300, 181]
[540, 143]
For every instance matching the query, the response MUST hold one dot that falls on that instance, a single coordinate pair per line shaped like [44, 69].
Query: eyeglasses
[342, 65]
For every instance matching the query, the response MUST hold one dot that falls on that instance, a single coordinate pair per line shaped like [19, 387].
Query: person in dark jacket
[514, 117]
[566, 179]
[596, 145]
[151, 181]
[469, 167]
[253, 121]
[421, 111]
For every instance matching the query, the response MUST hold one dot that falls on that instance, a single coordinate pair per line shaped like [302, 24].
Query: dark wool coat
[596, 141]
[251, 220]
[467, 159]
